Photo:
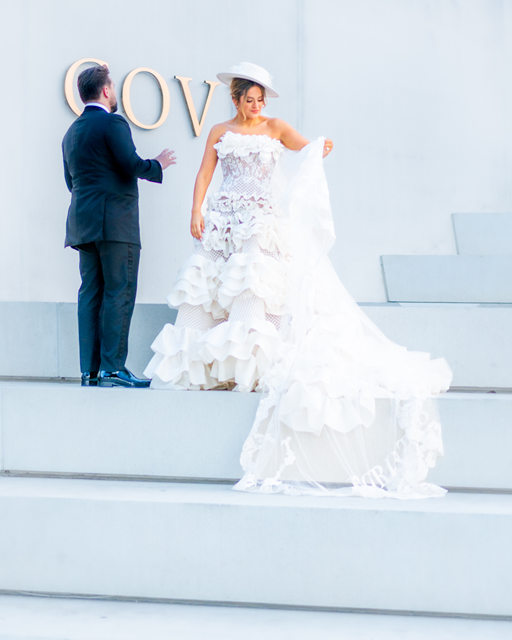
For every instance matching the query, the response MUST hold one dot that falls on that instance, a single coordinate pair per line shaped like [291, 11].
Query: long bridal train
[341, 404]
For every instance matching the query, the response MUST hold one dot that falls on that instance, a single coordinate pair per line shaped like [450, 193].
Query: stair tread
[143, 434]
[210, 544]
[223, 495]
[24, 618]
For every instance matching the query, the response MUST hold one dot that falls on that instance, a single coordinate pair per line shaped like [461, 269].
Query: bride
[343, 409]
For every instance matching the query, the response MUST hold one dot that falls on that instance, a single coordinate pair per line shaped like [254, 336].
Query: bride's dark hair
[239, 88]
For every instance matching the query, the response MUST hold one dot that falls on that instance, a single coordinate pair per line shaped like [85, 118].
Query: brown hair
[91, 82]
[239, 88]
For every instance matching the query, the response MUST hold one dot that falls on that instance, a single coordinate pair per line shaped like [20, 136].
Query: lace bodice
[247, 163]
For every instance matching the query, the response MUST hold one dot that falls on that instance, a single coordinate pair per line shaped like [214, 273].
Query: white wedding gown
[260, 307]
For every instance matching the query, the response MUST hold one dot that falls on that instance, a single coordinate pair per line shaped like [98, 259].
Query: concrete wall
[415, 94]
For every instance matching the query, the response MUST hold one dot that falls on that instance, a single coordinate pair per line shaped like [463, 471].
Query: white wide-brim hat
[249, 71]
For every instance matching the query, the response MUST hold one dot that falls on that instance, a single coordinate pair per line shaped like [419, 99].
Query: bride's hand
[328, 145]
[197, 225]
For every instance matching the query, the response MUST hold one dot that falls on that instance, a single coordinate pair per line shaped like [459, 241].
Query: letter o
[166, 99]
[68, 83]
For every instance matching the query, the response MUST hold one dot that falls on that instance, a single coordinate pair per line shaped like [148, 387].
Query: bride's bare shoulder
[217, 131]
[278, 127]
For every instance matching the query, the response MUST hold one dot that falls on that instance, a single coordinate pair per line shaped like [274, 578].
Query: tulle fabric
[344, 411]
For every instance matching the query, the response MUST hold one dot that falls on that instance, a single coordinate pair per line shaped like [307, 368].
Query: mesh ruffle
[214, 285]
[177, 363]
[234, 352]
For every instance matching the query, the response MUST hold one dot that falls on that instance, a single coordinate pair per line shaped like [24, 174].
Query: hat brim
[227, 77]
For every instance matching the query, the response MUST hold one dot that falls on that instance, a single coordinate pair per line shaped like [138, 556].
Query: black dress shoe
[122, 378]
[90, 379]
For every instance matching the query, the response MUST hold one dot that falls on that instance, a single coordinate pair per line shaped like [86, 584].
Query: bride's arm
[204, 177]
[293, 140]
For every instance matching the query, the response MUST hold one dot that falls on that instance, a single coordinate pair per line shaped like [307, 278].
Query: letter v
[196, 125]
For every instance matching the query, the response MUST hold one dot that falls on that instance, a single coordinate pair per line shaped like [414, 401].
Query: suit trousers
[106, 301]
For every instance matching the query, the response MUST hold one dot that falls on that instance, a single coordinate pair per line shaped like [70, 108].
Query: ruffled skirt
[231, 295]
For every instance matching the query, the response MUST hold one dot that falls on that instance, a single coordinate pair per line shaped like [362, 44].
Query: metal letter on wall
[196, 125]
[68, 82]
[166, 99]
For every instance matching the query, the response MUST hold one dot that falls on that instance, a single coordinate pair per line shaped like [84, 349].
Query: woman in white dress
[261, 308]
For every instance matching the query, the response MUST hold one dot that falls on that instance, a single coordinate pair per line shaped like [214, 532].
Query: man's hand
[166, 158]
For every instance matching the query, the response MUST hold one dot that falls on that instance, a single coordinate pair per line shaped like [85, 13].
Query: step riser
[477, 438]
[347, 558]
[483, 234]
[69, 429]
[58, 428]
[473, 279]
[476, 341]
[41, 339]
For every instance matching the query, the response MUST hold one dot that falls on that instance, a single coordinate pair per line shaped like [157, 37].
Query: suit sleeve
[120, 142]
[67, 175]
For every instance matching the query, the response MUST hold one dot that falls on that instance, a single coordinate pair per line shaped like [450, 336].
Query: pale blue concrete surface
[28, 339]
[476, 340]
[41, 339]
[67, 328]
[477, 439]
[483, 234]
[478, 279]
[67, 428]
[33, 618]
[147, 321]
[209, 543]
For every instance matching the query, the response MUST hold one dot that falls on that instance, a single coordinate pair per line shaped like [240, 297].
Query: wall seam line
[300, 66]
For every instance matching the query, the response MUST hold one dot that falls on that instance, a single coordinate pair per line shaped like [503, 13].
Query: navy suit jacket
[101, 167]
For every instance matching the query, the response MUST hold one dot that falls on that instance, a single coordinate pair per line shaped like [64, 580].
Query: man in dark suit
[101, 168]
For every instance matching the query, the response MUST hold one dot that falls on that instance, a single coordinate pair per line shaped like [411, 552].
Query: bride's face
[254, 103]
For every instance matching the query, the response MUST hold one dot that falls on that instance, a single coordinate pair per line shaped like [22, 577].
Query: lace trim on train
[401, 476]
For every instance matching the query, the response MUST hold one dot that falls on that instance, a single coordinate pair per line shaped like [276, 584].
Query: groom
[101, 168]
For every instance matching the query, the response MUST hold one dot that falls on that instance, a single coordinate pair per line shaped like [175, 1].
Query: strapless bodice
[247, 162]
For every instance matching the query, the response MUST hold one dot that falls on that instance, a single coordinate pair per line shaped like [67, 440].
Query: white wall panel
[414, 93]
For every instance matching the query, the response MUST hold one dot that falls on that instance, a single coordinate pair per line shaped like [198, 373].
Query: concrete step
[207, 543]
[483, 234]
[41, 339]
[34, 618]
[474, 279]
[476, 340]
[66, 429]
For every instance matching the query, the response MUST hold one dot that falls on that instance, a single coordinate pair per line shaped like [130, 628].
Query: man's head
[95, 85]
